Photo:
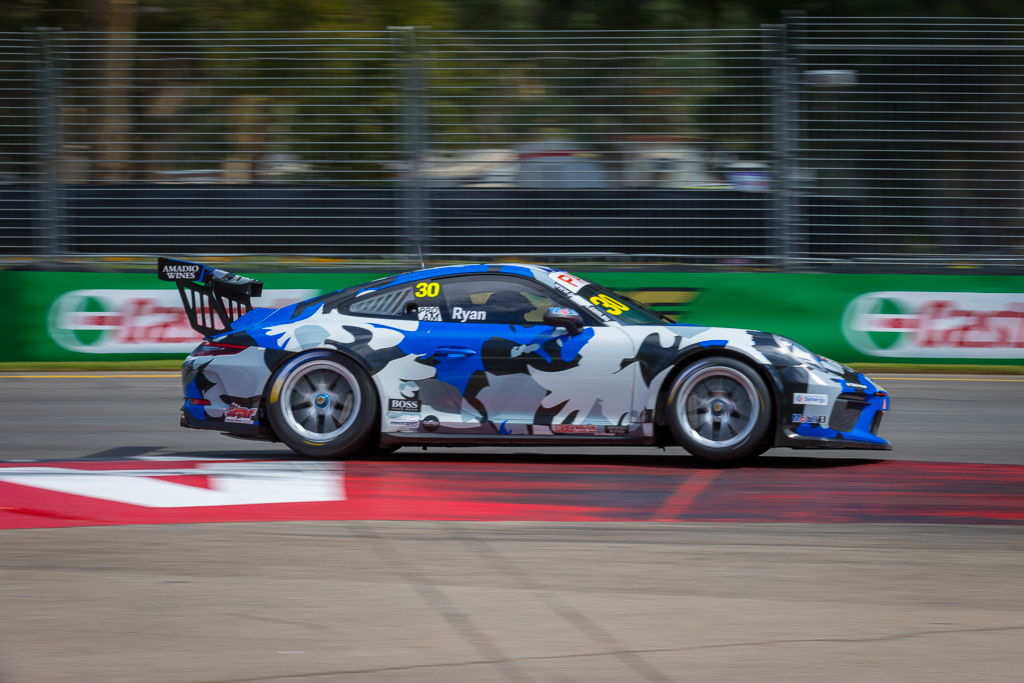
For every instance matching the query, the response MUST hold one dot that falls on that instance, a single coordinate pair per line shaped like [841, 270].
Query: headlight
[803, 355]
[800, 353]
[833, 366]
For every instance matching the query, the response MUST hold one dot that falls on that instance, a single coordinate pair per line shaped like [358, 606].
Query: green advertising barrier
[120, 316]
[931, 319]
[952, 319]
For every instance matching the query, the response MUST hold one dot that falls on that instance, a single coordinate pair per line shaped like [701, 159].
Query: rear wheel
[322, 405]
[719, 410]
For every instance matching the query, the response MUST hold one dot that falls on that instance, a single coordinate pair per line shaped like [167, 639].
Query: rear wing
[213, 298]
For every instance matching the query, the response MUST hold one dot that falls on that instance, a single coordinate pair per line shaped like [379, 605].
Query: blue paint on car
[572, 346]
[517, 270]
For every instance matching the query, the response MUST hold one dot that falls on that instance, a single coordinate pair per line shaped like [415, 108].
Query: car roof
[534, 272]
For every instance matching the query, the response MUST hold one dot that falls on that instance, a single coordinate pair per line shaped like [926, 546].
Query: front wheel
[322, 405]
[719, 410]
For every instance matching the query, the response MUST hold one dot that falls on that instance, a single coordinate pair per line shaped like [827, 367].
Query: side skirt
[469, 440]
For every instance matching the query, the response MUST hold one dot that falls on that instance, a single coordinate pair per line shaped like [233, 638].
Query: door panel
[495, 368]
[515, 376]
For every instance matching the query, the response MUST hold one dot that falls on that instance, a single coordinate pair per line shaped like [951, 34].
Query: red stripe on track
[776, 490]
[682, 498]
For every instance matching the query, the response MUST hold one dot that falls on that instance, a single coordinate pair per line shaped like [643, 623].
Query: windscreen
[621, 308]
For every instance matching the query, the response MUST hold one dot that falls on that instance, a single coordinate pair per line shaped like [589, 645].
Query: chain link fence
[814, 143]
[915, 128]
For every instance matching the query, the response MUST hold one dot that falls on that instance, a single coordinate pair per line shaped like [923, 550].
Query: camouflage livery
[447, 366]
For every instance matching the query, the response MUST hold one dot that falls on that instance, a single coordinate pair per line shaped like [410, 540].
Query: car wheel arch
[693, 355]
[330, 352]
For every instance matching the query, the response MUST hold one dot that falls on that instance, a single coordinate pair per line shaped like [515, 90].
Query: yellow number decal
[613, 306]
[427, 289]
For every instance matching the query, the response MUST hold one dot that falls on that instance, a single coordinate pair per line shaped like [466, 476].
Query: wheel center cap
[322, 401]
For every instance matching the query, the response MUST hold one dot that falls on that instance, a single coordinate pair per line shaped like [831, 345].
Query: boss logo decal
[404, 405]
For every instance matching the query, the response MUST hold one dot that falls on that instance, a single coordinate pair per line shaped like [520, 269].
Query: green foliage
[303, 15]
[476, 15]
[336, 106]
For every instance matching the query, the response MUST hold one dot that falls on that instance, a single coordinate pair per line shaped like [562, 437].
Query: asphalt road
[936, 418]
[511, 601]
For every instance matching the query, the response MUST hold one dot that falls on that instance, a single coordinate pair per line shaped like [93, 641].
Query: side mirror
[570, 319]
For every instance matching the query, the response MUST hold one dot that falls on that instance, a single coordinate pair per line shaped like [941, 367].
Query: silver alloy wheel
[319, 400]
[718, 406]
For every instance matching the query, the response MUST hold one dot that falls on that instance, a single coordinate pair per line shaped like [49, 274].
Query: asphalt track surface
[822, 566]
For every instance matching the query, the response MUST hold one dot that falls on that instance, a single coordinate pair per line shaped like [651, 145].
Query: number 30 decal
[613, 306]
[427, 289]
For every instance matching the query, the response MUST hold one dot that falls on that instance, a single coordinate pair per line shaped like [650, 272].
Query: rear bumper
[247, 431]
[225, 393]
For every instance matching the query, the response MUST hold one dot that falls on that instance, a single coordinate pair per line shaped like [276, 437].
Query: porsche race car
[503, 354]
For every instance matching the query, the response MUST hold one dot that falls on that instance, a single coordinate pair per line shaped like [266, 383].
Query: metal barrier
[814, 143]
[915, 124]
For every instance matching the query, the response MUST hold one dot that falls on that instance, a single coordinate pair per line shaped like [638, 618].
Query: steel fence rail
[183, 143]
[916, 125]
[814, 143]
[27, 147]
[600, 141]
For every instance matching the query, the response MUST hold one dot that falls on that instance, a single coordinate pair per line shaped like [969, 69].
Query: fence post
[50, 193]
[415, 208]
[785, 144]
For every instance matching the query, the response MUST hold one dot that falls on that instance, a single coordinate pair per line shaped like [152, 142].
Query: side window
[428, 297]
[495, 300]
[387, 303]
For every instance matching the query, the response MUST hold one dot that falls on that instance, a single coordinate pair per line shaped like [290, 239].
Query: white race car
[503, 355]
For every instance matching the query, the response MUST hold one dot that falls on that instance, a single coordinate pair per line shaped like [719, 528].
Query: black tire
[322, 405]
[719, 410]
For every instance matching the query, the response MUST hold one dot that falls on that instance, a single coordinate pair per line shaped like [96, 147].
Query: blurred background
[860, 161]
[725, 134]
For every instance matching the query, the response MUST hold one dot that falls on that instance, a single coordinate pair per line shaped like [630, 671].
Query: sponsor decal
[570, 282]
[517, 351]
[810, 399]
[430, 314]
[808, 419]
[460, 314]
[240, 414]
[936, 324]
[574, 429]
[404, 405]
[180, 271]
[561, 310]
[430, 423]
[404, 422]
[617, 429]
[135, 321]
